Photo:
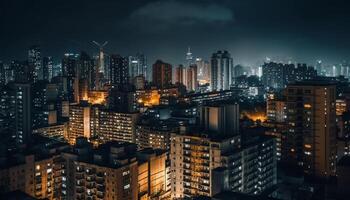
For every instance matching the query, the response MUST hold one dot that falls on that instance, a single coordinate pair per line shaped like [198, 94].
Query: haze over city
[251, 30]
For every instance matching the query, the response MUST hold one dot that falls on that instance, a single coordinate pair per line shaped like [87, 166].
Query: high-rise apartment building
[122, 99]
[34, 60]
[38, 172]
[117, 126]
[154, 135]
[79, 122]
[187, 76]
[109, 172]
[221, 71]
[47, 68]
[23, 112]
[278, 75]
[152, 174]
[220, 118]
[161, 74]
[119, 72]
[180, 75]
[275, 109]
[192, 82]
[311, 116]
[205, 164]
[69, 71]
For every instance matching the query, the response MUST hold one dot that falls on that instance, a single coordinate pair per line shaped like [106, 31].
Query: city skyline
[174, 100]
[250, 30]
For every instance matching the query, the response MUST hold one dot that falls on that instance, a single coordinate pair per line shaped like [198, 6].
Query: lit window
[307, 106]
[126, 186]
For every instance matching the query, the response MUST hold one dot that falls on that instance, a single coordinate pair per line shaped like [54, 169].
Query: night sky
[304, 30]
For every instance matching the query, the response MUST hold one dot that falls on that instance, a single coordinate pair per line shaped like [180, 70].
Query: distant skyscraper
[278, 75]
[180, 75]
[23, 113]
[221, 71]
[311, 139]
[203, 71]
[119, 74]
[189, 57]
[22, 72]
[34, 59]
[192, 83]
[319, 68]
[69, 65]
[139, 82]
[86, 70]
[47, 68]
[162, 74]
[137, 66]
[100, 65]
[57, 69]
[238, 71]
[69, 70]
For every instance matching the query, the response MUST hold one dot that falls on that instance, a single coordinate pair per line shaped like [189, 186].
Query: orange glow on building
[256, 116]
[97, 97]
[149, 98]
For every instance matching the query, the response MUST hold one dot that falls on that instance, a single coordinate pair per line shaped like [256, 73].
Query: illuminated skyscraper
[34, 60]
[79, 122]
[203, 71]
[23, 112]
[189, 57]
[69, 70]
[138, 66]
[119, 74]
[221, 71]
[47, 68]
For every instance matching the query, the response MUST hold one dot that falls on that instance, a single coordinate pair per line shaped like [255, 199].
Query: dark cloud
[181, 13]
[251, 29]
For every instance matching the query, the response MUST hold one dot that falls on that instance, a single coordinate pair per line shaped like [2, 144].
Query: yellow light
[307, 146]
[307, 106]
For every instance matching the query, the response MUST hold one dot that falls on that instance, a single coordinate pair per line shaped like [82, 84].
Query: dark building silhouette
[119, 74]
[162, 74]
[311, 117]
